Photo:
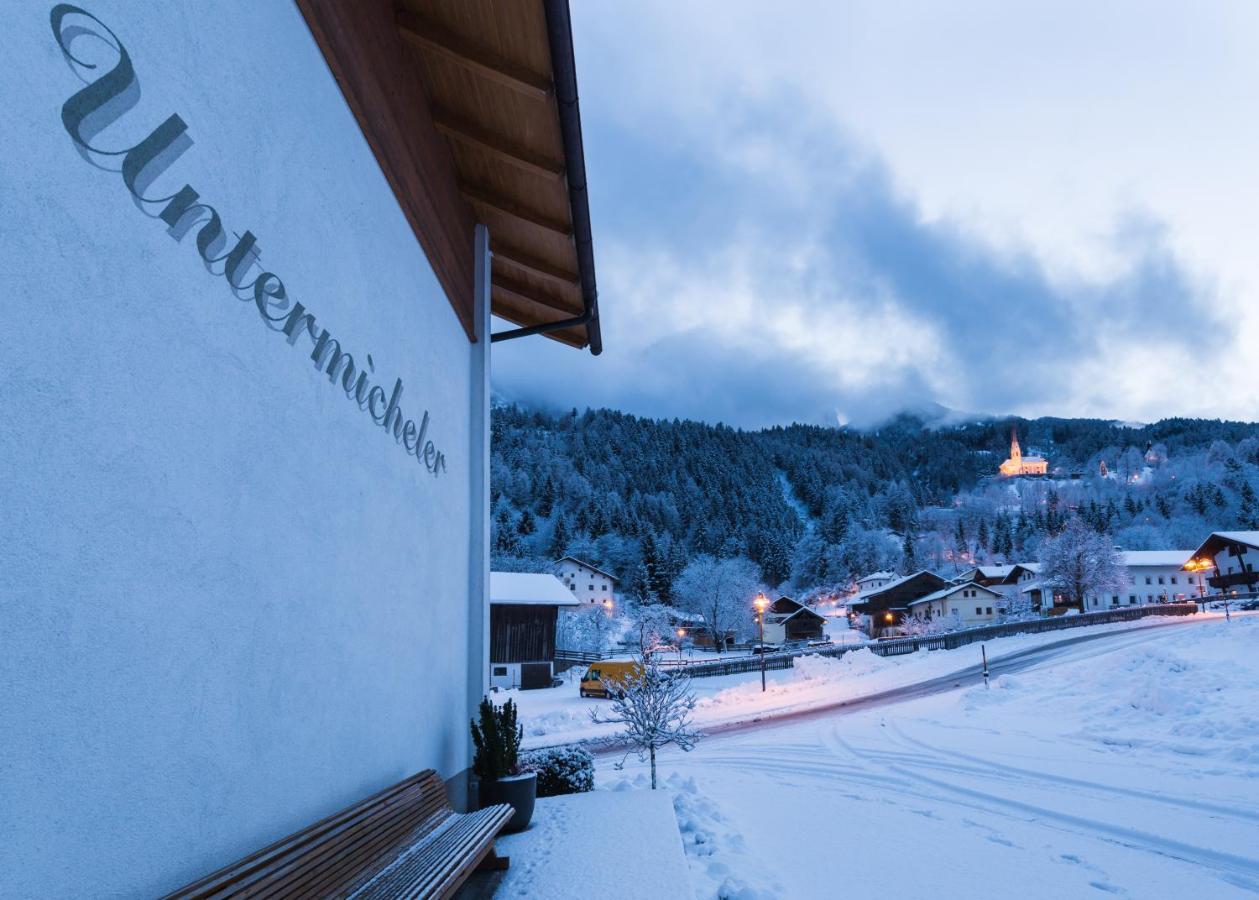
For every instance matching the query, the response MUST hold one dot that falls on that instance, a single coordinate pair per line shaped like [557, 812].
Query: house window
[1173, 579]
[979, 611]
[1132, 601]
[1160, 579]
[500, 670]
[989, 610]
[591, 587]
[1149, 598]
[1148, 580]
[1114, 601]
[1094, 601]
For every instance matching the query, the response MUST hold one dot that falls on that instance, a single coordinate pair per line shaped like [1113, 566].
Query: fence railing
[945, 641]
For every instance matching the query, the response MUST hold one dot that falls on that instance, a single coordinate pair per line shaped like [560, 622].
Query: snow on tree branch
[654, 706]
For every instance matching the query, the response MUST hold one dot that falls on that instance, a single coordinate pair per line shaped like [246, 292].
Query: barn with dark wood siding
[524, 610]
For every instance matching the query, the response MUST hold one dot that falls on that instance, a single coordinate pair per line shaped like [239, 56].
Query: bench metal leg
[493, 862]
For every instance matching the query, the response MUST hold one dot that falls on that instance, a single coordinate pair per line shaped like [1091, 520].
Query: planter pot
[518, 790]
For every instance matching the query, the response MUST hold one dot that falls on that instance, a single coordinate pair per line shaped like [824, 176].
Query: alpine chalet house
[1008, 580]
[251, 256]
[1233, 556]
[589, 584]
[786, 621]
[524, 610]
[888, 604]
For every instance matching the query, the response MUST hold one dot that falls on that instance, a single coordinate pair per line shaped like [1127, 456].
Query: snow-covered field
[559, 716]
[1124, 766]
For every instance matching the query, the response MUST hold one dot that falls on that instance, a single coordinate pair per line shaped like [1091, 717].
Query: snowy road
[1078, 647]
[1122, 764]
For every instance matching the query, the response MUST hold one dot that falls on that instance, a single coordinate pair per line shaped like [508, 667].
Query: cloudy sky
[827, 212]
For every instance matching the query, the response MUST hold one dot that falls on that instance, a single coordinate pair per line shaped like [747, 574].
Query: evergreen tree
[505, 539]
[559, 538]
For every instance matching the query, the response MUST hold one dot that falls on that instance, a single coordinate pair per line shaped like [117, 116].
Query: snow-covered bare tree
[1080, 561]
[720, 590]
[651, 627]
[655, 708]
[1018, 608]
[587, 630]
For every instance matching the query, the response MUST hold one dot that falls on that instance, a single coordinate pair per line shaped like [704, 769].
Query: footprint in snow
[1108, 888]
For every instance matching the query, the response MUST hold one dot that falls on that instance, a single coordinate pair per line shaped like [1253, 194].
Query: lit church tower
[1018, 465]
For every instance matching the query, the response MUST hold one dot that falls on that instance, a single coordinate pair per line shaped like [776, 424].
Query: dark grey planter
[518, 790]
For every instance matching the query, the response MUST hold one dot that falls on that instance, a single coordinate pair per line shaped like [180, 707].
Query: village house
[264, 594]
[867, 583]
[967, 605]
[1007, 580]
[1232, 556]
[885, 606]
[1153, 576]
[787, 620]
[524, 610]
[589, 584]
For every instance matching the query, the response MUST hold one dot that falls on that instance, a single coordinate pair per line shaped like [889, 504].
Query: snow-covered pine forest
[814, 507]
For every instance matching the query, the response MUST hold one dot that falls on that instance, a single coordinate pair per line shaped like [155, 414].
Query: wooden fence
[947, 641]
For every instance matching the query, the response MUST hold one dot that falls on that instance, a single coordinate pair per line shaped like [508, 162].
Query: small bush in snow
[562, 770]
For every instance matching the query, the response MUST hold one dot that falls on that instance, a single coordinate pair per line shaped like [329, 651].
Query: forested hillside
[814, 507]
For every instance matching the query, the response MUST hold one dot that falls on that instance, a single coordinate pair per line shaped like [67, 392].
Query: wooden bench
[405, 841]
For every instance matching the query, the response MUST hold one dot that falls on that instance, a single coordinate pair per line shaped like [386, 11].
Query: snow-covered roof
[875, 575]
[779, 618]
[586, 565]
[953, 589]
[526, 588]
[1164, 558]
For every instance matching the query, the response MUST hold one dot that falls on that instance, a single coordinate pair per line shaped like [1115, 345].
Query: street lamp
[681, 635]
[760, 603]
[1199, 565]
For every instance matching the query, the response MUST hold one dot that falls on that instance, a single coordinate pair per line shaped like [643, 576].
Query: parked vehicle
[616, 673]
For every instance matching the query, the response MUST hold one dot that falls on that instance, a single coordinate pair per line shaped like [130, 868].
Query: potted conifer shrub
[500, 780]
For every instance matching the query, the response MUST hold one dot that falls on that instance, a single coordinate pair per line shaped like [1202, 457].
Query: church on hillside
[1018, 464]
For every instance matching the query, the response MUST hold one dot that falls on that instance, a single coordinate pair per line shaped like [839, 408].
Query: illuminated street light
[761, 603]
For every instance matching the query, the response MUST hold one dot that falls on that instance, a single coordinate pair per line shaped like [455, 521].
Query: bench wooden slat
[433, 868]
[238, 872]
[403, 841]
[355, 849]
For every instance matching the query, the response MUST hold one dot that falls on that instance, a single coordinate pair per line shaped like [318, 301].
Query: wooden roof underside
[458, 100]
[486, 68]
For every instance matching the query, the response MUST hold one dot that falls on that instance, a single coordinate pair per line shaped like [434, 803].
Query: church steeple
[1016, 452]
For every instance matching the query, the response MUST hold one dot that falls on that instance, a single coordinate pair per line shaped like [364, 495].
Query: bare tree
[1080, 561]
[655, 708]
[587, 630]
[720, 590]
[651, 625]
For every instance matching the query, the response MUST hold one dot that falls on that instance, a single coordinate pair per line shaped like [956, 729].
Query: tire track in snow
[1240, 871]
[981, 766]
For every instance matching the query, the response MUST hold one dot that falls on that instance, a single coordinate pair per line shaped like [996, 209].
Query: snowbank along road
[1121, 764]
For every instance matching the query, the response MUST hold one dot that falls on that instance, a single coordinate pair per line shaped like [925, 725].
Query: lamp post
[681, 635]
[1199, 566]
[761, 603]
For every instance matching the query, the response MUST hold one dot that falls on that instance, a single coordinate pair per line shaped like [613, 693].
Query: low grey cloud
[781, 275]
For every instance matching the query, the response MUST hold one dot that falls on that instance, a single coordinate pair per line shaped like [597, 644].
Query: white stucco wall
[230, 603]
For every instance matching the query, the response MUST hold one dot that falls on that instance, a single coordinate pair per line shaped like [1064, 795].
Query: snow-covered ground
[1125, 766]
[559, 715]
